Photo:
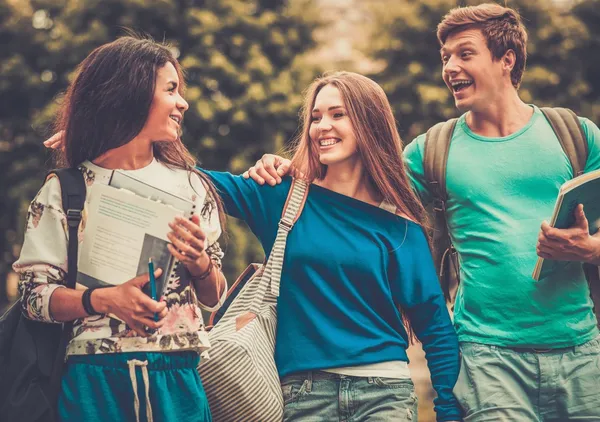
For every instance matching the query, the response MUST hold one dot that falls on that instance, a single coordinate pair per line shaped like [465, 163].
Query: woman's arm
[42, 263]
[190, 246]
[259, 206]
[420, 295]
[42, 267]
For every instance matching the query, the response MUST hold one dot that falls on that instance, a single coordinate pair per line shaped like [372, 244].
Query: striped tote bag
[240, 377]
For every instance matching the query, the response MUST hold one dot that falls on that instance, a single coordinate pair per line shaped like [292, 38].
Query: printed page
[143, 189]
[122, 231]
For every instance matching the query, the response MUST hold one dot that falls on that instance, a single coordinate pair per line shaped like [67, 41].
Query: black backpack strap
[570, 134]
[436, 149]
[72, 185]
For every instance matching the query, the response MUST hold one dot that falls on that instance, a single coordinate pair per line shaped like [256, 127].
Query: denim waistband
[319, 375]
[157, 361]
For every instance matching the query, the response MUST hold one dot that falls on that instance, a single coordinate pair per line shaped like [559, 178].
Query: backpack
[572, 139]
[32, 353]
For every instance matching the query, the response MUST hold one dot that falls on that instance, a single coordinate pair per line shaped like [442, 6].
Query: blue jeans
[506, 384]
[317, 396]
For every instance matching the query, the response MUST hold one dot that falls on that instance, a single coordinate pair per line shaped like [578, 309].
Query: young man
[530, 349]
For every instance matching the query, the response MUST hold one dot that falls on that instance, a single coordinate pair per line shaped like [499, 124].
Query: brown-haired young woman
[357, 255]
[124, 111]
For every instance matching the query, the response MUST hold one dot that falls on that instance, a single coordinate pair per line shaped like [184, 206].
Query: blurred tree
[407, 63]
[588, 11]
[244, 86]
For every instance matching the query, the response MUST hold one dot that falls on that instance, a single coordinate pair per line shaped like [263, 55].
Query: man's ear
[508, 60]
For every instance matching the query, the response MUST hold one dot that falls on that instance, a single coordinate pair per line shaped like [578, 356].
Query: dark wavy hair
[108, 103]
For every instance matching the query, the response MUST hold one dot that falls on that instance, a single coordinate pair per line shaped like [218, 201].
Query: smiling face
[331, 130]
[167, 109]
[471, 72]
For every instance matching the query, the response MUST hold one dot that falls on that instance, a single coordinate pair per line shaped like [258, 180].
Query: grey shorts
[504, 384]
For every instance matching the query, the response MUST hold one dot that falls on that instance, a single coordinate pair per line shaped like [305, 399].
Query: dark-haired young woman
[124, 111]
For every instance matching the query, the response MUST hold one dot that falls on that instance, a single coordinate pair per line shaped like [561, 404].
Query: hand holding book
[572, 244]
[572, 234]
[188, 244]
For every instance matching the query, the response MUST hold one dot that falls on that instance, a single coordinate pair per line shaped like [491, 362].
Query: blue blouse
[347, 266]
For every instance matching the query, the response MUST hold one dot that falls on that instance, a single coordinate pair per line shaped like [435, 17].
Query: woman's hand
[56, 141]
[130, 304]
[189, 244]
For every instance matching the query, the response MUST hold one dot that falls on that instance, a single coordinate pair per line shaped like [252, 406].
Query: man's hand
[270, 168]
[572, 244]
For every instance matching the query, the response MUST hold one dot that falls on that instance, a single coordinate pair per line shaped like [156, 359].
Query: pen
[152, 283]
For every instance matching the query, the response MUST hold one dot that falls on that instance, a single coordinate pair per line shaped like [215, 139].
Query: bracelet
[86, 301]
[206, 273]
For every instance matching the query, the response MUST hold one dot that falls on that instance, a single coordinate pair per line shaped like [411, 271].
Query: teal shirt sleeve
[592, 133]
[419, 294]
[413, 159]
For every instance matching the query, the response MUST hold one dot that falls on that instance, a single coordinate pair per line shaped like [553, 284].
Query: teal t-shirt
[499, 192]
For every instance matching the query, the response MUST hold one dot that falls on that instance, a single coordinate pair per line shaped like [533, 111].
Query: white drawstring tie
[144, 367]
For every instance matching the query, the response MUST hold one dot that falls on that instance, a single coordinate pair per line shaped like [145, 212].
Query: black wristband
[86, 301]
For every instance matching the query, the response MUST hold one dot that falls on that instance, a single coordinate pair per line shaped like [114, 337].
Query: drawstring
[144, 366]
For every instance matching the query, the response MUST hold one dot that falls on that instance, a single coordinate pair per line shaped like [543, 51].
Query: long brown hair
[108, 104]
[379, 145]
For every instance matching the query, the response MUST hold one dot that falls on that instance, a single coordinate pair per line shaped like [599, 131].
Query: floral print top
[42, 267]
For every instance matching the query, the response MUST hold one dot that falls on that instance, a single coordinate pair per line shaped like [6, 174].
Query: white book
[123, 230]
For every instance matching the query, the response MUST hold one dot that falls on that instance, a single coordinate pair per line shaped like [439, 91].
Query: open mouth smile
[328, 142]
[458, 86]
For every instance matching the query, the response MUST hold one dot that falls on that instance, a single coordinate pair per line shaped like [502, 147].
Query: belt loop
[309, 381]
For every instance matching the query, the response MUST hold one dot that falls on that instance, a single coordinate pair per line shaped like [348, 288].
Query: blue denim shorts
[317, 396]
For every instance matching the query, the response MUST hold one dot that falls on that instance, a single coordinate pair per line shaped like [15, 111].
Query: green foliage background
[244, 85]
[248, 62]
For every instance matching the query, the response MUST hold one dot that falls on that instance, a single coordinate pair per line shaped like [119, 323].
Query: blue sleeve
[260, 206]
[419, 294]
[413, 159]
[592, 133]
